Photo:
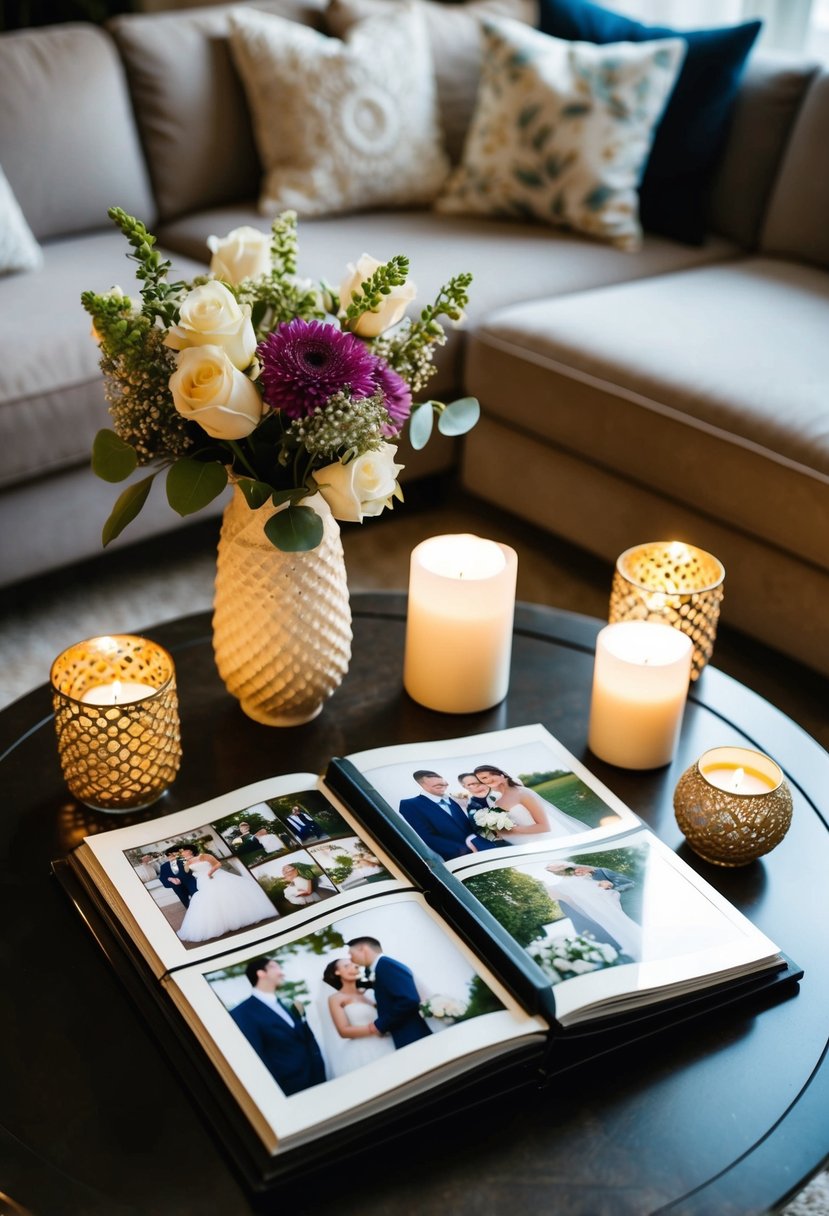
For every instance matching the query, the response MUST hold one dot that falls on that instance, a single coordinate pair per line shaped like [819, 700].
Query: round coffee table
[724, 1114]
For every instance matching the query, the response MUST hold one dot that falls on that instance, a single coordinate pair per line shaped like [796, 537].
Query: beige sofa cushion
[686, 383]
[771, 93]
[190, 103]
[68, 141]
[797, 223]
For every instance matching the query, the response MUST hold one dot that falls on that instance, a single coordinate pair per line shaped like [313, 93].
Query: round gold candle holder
[672, 582]
[733, 826]
[116, 719]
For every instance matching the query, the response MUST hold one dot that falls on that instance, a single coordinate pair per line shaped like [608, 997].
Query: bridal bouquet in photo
[252, 375]
[563, 957]
[491, 822]
[444, 1008]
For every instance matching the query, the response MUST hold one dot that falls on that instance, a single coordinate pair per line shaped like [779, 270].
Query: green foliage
[295, 530]
[459, 416]
[112, 459]
[127, 506]
[518, 902]
[370, 294]
[192, 484]
[420, 424]
[480, 1000]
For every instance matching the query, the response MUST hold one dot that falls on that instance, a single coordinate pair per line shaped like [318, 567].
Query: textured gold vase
[281, 621]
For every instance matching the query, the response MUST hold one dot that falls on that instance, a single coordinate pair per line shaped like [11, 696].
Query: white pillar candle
[739, 770]
[640, 684]
[117, 692]
[459, 623]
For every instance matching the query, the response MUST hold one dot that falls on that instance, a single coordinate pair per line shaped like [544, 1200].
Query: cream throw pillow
[18, 248]
[562, 130]
[341, 126]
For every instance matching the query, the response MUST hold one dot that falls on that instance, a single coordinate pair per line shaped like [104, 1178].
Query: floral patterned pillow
[342, 125]
[562, 130]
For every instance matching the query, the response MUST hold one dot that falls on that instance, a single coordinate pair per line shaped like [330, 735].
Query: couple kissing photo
[344, 998]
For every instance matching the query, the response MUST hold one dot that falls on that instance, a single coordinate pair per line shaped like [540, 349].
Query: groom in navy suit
[398, 1001]
[173, 875]
[277, 1030]
[441, 822]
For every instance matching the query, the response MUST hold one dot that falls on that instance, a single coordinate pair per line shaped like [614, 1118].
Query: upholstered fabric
[684, 384]
[68, 142]
[770, 97]
[797, 222]
[690, 137]
[18, 248]
[561, 130]
[455, 40]
[342, 126]
[51, 389]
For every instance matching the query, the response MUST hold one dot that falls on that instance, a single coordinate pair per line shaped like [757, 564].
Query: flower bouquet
[564, 957]
[444, 1008]
[293, 392]
[491, 822]
[282, 386]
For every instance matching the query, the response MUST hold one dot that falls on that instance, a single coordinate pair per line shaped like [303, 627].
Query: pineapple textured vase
[281, 621]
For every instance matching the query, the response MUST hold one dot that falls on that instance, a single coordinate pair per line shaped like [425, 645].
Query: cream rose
[211, 316]
[245, 253]
[362, 487]
[208, 389]
[391, 308]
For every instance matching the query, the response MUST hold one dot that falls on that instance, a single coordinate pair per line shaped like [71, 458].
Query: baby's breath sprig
[342, 427]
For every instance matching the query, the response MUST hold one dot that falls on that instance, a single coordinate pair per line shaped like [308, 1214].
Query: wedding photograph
[351, 995]
[348, 862]
[472, 802]
[277, 825]
[594, 909]
[294, 881]
[203, 891]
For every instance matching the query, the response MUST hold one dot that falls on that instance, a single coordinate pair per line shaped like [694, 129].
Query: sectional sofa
[677, 391]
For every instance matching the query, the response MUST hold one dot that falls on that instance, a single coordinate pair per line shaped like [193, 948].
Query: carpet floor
[133, 589]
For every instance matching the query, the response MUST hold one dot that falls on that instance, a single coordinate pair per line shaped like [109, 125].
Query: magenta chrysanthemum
[397, 397]
[304, 363]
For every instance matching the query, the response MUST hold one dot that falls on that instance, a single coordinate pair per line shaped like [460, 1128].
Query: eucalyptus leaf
[127, 506]
[459, 416]
[420, 425]
[256, 493]
[192, 484]
[295, 530]
[278, 497]
[112, 457]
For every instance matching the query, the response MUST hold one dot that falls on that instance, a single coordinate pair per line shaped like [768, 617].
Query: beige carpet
[132, 590]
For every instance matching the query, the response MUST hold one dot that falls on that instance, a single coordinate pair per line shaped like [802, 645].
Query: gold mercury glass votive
[733, 805]
[116, 719]
[672, 582]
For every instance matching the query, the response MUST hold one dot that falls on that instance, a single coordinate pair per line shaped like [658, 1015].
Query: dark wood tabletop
[726, 1114]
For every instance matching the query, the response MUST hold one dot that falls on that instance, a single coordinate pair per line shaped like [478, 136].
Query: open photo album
[346, 950]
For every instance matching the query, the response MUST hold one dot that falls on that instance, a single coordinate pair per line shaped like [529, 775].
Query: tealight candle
[116, 719]
[640, 685]
[733, 805]
[459, 623]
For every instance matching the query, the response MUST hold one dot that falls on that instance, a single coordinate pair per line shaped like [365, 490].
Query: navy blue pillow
[689, 139]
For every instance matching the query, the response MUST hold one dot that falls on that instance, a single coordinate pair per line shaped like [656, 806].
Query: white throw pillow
[342, 126]
[562, 130]
[18, 248]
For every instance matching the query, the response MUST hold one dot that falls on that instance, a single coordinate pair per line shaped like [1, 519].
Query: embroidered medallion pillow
[341, 125]
[562, 130]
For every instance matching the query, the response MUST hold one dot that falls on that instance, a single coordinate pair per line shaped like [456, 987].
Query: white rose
[245, 253]
[208, 389]
[211, 316]
[362, 487]
[389, 311]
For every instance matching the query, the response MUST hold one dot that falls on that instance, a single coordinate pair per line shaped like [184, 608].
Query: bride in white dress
[348, 1039]
[222, 901]
[531, 814]
[599, 904]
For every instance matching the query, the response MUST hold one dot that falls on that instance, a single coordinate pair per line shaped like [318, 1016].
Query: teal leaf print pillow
[562, 130]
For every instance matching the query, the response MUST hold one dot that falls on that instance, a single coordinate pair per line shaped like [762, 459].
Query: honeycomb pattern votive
[675, 583]
[116, 720]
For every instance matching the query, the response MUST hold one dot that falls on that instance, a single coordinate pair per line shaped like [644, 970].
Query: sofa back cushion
[797, 221]
[770, 96]
[190, 103]
[68, 141]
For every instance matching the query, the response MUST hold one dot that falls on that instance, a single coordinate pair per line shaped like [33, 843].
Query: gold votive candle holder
[675, 583]
[116, 720]
[733, 805]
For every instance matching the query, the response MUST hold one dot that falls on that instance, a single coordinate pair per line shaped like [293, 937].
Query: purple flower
[306, 362]
[397, 397]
